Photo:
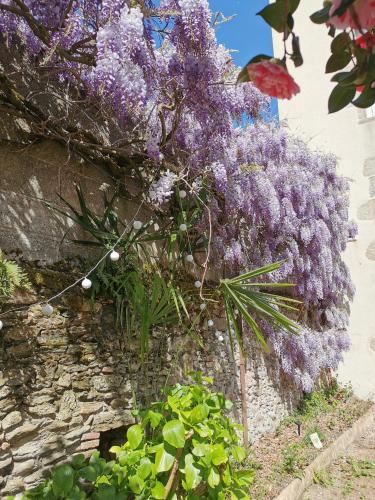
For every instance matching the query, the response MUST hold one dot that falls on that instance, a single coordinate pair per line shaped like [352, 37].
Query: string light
[203, 306]
[197, 284]
[189, 258]
[182, 193]
[86, 283]
[47, 309]
[156, 226]
[210, 323]
[183, 227]
[137, 224]
[114, 256]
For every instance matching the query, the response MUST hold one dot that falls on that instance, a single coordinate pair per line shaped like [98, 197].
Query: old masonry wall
[68, 382]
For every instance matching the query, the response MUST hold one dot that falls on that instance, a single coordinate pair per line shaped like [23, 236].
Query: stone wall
[66, 379]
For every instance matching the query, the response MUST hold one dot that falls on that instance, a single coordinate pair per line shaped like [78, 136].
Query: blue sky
[247, 33]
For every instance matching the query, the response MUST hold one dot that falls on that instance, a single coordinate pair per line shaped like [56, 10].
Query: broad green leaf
[239, 453]
[145, 468]
[106, 492]
[213, 477]
[78, 460]
[219, 455]
[174, 433]
[154, 418]
[244, 477]
[163, 460]
[200, 449]
[275, 15]
[136, 483]
[199, 413]
[115, 449]
[192, 474]
[134, 435]
[63, 478]
[340, 97]
[88, 473]
[158, 491]
[238, 494]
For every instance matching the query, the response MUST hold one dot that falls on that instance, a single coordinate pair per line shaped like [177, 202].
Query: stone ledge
[295, 489]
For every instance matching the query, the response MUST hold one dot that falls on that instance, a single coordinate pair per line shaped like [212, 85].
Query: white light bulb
[86, 283]
[137, 224]
[203, 306]
[217, 333]
[183, 227]
[114, 256]
[182, 193]
[197, 284]
[220, 338]
[156, 227]
[189, 258]
[47, 309]
[1, 325]
[210, 323]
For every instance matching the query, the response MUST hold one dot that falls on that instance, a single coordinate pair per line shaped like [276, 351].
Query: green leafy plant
[11, 277]
[291, 457]
[247, 298]
[322, 477]
[184, 447]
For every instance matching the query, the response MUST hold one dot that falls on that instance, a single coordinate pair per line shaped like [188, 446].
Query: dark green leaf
[340, 97]
[275, 15]
[365, 99]
[337, 61]
[88, 473]
[136, 484]
[321, 16]
[340, 42]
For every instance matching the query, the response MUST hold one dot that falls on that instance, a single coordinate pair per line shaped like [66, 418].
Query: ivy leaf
[244, 477]
[174, 433]
[136, 484]
[62, 478]
[154, 418]
[145, 468]
[78, 460]
[163, 460]
[337, 61]
[340, 97]
[213, 477]
[134, 436]
[158, 491]
[106, 492]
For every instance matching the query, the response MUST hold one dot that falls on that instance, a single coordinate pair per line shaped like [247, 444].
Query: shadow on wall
[34, 175]
[366, 211]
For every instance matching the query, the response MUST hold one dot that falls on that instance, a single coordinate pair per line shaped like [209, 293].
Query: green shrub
[182, 448]
[11, 277]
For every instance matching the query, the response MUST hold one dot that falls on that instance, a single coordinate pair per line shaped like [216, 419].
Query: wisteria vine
[171, 87]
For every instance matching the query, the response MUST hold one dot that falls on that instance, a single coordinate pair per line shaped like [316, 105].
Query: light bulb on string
[86, 283]
[47, 309]
[197, 284]
[202, 306]
[189, 258]
[183, 227]
[210, 323]
[1, 325]
[182, 193]
[114, 256]
[137, 224]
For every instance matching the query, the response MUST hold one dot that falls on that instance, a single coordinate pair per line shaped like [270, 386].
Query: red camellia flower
[366, 41]
[360, 14]
[272, 79]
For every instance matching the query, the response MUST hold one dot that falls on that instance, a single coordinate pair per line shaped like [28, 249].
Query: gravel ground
[351, 476]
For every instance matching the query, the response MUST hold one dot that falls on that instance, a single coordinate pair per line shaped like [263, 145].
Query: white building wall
[349, 134]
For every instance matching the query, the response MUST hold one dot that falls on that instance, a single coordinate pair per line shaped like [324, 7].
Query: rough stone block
[88, 445]
[21, 432]
[12, 419]
[43, 410]
[90, 436]
[90, 407]
[23, 468]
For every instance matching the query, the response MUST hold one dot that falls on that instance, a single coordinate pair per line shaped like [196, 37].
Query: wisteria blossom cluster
[172, 88]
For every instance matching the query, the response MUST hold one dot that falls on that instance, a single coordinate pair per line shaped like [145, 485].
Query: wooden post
[244, 400]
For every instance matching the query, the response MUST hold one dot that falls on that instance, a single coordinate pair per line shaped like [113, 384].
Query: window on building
[370, 112]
